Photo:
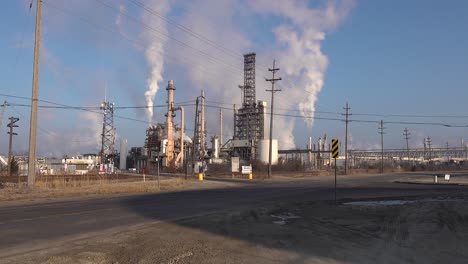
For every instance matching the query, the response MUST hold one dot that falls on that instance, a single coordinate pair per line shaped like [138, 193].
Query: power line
[413, 116]
[206, 55]
[90, 109]
[140, 43]
[188, 30]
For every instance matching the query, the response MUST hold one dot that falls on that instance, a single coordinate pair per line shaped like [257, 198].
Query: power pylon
[108, 133]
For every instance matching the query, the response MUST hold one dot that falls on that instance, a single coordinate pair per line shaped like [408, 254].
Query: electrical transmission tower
[108, 134]
[272, 90]
[347, 114]
[381, 132]
[407, 134]
[11, 125]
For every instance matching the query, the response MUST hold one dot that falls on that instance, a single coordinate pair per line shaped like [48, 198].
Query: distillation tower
[250, 119]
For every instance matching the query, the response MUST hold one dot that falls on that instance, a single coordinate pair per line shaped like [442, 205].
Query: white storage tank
[215, 147]
[263, 148]
[123, 154]
[163, 147]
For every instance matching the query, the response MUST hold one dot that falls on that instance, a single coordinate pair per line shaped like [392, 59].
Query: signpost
[335, 152]
[247, 170]
[159, 184]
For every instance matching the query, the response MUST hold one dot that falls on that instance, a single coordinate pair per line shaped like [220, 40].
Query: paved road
[38, 226]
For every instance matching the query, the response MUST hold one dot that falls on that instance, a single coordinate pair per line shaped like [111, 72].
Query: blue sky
[384, 57]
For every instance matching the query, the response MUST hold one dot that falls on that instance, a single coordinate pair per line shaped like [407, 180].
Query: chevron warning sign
[335, 151]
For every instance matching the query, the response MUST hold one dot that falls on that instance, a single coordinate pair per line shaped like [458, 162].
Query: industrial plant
[168, 147]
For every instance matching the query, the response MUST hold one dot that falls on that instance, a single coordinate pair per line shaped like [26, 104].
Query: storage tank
[215, 147]
[163, 147]
[123, 154]
[263, 151]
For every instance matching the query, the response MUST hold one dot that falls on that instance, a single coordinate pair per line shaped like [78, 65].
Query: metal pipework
[182, 132]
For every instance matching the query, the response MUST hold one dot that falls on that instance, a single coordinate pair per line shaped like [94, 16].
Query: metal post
[195, 137]
[34, 99]
[159, 184]
[273, 90]
[335, 183]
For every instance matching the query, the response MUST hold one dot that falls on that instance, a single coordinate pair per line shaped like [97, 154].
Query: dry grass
[61, 187]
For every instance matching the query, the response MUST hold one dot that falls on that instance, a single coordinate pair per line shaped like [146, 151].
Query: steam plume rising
[300, 41]
[154, 51]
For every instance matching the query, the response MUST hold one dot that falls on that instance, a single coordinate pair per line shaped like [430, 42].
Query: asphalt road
[26, 228]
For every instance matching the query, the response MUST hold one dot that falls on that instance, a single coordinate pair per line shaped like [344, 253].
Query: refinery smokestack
[170, 123]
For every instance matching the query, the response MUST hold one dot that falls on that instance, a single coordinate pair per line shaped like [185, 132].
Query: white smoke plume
[154, 51]
[301, 59]
[299, 55]
[299, 30]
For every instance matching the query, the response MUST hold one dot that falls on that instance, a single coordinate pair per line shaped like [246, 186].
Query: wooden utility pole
[381, 132]
[273, 90]
[220, 128]
[429, 146]
[347, 114]
[11, 125]
[34, 99]
[407, 134]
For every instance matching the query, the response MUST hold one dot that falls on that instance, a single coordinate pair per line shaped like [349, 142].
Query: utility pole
[195, 143]
[34, 99]
[448, 159]
[407, 134]
[381, 132]
[429, 145]
[273, 90]
[220, 128]
[203, 124]
[347, 114]
[11, 125]
[234, 111]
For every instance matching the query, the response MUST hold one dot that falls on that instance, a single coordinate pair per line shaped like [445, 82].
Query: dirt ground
[424, 231]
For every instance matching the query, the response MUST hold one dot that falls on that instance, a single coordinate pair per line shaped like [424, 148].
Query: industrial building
[164, 144]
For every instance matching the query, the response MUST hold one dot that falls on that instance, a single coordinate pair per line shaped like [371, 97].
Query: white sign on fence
[447, 177]
[235, 164]
[246, 169]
